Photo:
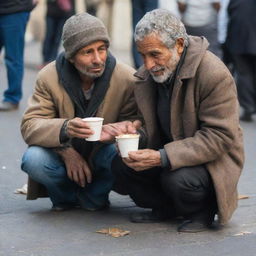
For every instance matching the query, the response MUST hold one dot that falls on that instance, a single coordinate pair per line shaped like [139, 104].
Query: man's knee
[32, 158]
[38, 161]
[187, 180]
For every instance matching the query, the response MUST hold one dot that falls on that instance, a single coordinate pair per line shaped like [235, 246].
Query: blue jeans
[12, 35]
[47, 168]
[139, 9]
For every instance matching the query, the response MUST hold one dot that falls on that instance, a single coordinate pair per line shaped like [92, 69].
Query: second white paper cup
[127, 143]
[95, 124]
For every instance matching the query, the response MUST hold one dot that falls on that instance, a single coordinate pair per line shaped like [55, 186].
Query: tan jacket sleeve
[40, 124]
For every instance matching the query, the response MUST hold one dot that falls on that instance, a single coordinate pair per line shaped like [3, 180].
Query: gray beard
[169, 69]
[92, 75]
[162, 78]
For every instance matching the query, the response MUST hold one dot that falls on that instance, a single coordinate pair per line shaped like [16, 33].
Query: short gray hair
[163, 23]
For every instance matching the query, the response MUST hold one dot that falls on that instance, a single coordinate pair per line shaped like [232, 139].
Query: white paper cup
[127, 143]
[95, 124]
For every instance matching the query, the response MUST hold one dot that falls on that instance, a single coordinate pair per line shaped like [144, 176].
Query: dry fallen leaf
[243, 233]
[114, 232]
[242, 197]
[22, 190]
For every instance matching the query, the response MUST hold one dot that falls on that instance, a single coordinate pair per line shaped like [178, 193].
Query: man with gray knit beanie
[84, 81]
[81, 30]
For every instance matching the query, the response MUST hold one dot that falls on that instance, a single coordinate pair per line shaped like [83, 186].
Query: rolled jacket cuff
[63, 137]
[165, 162]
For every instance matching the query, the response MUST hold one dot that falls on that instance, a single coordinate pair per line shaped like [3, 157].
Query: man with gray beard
[84, 81]
[194, 155]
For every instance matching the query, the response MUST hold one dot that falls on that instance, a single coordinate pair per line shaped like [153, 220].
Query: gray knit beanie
[80, 30]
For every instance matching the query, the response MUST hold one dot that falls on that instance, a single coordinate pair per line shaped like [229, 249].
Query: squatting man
[194, 155]
[85, 80]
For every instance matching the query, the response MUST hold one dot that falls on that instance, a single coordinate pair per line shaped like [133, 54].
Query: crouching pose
[194, 153]
[84, 81]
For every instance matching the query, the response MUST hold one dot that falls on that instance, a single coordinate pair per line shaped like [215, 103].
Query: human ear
[180, 45]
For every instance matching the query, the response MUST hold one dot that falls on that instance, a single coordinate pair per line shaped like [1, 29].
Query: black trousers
[245, 66]
[184, 192]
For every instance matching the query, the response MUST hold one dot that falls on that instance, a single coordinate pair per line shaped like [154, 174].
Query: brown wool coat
[50, 106]
[204, 121]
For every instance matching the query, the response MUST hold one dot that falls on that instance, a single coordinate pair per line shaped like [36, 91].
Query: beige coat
[204, 121]
[50, 106]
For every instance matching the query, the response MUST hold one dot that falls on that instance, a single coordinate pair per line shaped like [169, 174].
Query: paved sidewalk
[29, 228]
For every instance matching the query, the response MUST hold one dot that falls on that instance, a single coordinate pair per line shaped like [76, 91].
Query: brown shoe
[8, 106]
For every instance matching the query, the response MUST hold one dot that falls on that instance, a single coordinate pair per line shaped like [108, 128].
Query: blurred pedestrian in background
[222, 35]
[200, 19]
[170, 5]
[14, 15]
[139, 8]
[241, 42]
[58, 11]
[92, 6]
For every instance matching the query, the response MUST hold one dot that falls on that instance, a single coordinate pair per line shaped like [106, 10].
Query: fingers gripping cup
[127, 143]
[95, 124]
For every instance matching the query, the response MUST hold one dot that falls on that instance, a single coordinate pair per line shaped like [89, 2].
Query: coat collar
[196, 50]
[70, 80]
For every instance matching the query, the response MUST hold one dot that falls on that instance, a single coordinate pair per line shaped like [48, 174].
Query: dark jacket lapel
[69, 78]
[145, 94]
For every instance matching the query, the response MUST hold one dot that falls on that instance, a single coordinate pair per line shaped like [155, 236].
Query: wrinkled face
[159, 60]
[90, 60]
